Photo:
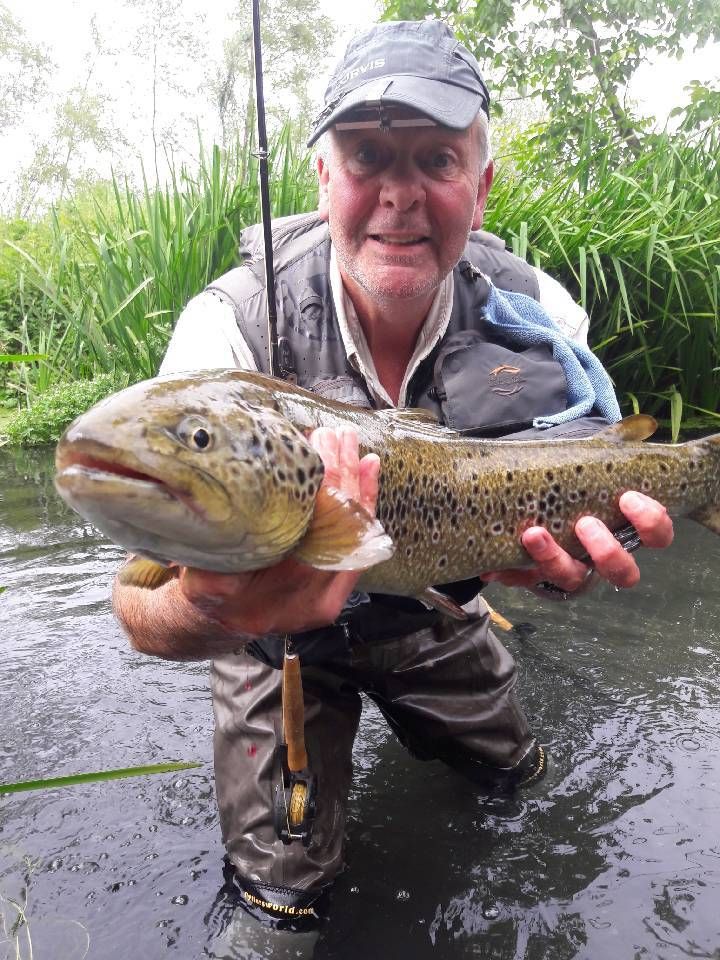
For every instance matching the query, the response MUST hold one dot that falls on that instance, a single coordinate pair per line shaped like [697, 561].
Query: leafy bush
[57, 407]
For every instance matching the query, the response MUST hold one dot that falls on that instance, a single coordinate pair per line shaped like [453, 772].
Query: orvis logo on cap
[359, 71]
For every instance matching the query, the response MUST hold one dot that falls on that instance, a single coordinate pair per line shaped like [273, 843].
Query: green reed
[97, 776]
[638, 247]
[111, 290]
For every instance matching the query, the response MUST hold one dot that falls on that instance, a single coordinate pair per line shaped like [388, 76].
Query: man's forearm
[163, 623]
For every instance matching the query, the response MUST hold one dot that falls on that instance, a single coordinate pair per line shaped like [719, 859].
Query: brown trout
[214, 470]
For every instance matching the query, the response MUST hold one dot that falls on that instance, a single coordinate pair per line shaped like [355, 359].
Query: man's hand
[609, 559]
[290, 597]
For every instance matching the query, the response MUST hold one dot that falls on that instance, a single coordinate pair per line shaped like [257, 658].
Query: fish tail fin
[709, 517]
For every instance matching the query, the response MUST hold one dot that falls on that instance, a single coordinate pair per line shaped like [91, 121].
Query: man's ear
[486, 179]
[323, 176]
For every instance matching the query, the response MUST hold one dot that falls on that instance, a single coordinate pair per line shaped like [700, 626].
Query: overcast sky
[63, 25]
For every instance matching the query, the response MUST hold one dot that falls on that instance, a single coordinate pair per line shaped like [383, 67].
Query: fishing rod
[262, 155]
[294, 801]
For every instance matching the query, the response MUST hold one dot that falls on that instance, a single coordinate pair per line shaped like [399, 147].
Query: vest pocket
[486, 386]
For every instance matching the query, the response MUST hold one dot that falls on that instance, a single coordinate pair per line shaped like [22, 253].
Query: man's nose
[402, 188]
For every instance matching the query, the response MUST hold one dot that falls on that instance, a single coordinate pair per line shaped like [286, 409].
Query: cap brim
[445, 103]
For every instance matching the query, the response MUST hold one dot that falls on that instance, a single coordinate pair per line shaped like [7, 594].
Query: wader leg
[448, 692]
[282, 880]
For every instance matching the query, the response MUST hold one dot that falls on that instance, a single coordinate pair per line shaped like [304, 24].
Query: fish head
[200, 470]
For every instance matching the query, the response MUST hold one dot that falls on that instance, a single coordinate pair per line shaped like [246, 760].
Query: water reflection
[616, 853]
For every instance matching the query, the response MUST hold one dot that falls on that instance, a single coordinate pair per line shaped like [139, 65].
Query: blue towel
[523, 319]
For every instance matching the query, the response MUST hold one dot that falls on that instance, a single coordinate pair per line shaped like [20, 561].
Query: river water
[616, 854]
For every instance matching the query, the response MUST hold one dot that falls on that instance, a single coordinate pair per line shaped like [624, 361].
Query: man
[387, 309]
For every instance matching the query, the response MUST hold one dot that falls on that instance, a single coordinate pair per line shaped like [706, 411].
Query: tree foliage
[23, 69]
[576, 56]
[296, 39]
[165, 44]
[81, 128]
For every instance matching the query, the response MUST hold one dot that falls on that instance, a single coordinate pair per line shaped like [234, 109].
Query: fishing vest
[473, 380]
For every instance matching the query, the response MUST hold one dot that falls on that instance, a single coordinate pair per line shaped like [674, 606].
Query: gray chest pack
[473, 380]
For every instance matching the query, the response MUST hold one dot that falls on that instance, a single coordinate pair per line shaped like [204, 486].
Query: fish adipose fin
[342, 535]
[409, 415]
[141, 572]
[637, 427]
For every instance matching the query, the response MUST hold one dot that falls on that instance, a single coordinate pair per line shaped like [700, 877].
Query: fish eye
[201, 438]
[196, 434]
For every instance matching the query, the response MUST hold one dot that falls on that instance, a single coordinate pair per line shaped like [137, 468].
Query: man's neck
[391, 330]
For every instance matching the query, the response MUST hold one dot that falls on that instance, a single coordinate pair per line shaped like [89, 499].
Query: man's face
[400, 204]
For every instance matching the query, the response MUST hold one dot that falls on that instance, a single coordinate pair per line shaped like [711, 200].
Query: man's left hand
[609, 559]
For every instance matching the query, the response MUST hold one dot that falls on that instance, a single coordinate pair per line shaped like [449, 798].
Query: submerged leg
[288, 882]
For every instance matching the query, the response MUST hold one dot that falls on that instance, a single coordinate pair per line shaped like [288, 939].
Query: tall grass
[640, 248]
[113, 289]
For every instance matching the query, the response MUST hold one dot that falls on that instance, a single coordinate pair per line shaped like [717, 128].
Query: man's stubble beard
[410, 290]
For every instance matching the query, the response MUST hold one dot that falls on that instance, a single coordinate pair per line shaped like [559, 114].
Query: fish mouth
[77, 465]
[88, 465]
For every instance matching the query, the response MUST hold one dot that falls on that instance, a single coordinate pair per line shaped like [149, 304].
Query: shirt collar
[356, 347]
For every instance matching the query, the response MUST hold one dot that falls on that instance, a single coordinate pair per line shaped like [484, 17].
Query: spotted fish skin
[452, 506]
[454, 515]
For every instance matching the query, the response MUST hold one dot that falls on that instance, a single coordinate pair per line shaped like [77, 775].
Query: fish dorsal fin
[148, 574]
[416, 420]
[635, 428]
[342, 535]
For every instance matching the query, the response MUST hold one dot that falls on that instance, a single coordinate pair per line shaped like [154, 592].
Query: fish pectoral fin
[141, 572]
[709, 517]
[637, 427]
[342, 535]
[444, 604]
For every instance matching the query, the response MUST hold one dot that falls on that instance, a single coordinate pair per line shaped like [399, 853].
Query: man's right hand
[205, 614]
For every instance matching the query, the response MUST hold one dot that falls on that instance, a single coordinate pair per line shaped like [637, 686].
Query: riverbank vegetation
[627, 218]
[95, 286]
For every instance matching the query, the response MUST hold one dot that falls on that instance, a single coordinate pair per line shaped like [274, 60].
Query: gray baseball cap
[416, 64]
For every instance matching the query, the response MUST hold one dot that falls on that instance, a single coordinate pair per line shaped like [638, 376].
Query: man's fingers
[609, 559]
[349, 463]
[554, 563]
[650, 519]
[339, 450]
[369, 481]
[325, 441]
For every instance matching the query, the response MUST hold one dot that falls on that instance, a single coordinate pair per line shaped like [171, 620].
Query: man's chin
[391, 286]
